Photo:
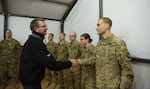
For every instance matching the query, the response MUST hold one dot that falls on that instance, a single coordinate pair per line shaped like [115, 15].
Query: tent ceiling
[49, 9]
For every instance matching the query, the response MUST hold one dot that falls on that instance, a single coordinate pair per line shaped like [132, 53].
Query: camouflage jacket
[61, 51]
[10, 49]
[88, 55]
[73, 50]
[113, 64]
[51, 47]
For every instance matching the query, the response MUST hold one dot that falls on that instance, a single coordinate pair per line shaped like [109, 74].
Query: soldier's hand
[74, 63]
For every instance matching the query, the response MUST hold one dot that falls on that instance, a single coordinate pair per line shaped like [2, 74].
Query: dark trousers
[25, 86]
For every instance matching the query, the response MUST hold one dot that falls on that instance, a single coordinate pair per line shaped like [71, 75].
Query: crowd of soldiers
[70, 78]
[93, 72]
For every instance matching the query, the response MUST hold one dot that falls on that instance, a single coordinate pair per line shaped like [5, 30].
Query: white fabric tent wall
[131, 21]
[141, 75]
[20, 27]
[1, 27]
[83, 19]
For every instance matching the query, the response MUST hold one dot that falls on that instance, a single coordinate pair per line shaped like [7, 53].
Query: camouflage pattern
[87, 62]
[10, 52]
[74, 74]
[61, 51]
[113, 64]
[50, 76]
[62, 55]
[51, 47]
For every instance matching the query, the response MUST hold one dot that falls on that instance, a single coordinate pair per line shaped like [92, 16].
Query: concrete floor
[44, 83]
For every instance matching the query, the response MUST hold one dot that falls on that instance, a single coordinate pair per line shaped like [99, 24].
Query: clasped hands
[74, 63]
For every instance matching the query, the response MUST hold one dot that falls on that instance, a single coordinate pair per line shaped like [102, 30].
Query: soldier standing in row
[10, 52]
[50, 76]
[87, 51]
[73, 74]
[62, 55]
[113, 64]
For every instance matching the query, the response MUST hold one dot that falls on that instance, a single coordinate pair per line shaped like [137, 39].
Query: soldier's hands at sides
[74, 63]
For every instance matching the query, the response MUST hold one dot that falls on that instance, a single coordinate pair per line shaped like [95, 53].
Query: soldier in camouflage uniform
[62, 55]
[113, 63]
[10, 52]
[50, 76]
[73, 74]
[87, 51]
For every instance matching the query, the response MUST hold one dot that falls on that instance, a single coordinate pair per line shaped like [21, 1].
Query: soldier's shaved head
[73, 34]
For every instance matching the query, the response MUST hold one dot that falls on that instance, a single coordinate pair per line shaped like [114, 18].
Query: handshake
[74, 63]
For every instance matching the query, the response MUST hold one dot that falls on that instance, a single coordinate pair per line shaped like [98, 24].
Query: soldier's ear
[107, 25]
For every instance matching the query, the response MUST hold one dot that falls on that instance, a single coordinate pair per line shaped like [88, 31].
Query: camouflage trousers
[51, 78]
[74, 78]
[88, 78]
[62, 79]
[8, 70]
